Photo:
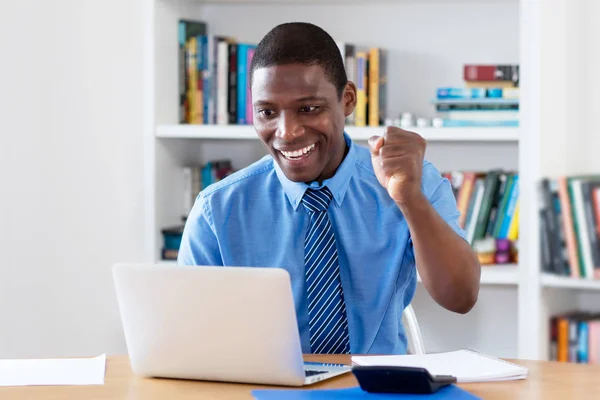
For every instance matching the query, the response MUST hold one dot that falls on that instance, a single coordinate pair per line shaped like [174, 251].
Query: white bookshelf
[221, 132]
[563, 282]
[510, 319]
[507, 274]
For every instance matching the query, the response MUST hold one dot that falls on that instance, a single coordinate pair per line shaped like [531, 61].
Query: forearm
[446, 263]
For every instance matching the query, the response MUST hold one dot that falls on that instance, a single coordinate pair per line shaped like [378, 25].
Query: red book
[482, 72]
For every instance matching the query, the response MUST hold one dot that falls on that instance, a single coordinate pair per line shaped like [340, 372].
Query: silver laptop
[232, 324]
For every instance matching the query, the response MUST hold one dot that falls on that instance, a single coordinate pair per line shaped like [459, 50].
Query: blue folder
[450, 392]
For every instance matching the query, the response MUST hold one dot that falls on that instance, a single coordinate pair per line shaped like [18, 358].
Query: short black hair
[301, 43]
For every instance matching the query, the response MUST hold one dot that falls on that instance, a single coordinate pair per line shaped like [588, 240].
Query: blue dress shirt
[254, 217]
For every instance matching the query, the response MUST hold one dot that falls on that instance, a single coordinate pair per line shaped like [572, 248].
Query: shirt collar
[338, 183]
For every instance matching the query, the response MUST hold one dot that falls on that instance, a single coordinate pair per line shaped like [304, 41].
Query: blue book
[510, 208]
[460, 93]
[458, 123]
[242, 83]
[495, 93]
[484, 100]
[450, 392]
[582, 347]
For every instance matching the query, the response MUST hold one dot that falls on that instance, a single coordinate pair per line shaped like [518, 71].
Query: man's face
[300, 119]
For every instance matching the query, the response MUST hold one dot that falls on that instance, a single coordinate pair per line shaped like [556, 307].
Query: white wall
[71, 172]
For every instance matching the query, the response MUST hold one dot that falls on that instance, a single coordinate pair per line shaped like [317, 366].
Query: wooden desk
[547, 380]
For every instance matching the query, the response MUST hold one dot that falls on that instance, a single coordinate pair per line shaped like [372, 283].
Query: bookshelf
[561, 282]
[222, 132]
[510, 319]
[506, 274]
[490, 275]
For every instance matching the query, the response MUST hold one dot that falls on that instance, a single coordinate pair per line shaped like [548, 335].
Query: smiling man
[351, 225]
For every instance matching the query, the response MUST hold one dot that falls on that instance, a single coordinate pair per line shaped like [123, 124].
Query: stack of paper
[465, 365]
[63, 371]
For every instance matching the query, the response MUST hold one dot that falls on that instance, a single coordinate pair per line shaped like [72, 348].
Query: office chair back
[413, 332]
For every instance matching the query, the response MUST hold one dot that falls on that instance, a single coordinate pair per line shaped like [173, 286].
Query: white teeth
[298, 153]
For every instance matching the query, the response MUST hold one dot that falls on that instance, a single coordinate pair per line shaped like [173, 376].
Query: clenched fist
[397, 158]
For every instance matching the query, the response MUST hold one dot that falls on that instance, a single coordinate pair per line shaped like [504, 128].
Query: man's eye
[309, 108]
[266, 112]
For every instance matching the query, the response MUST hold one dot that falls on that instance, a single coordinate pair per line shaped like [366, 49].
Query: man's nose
[289, 127]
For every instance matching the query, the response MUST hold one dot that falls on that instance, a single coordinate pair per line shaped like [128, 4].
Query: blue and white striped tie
[326, 308]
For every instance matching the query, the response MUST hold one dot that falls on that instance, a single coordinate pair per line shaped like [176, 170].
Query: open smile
[299, 154]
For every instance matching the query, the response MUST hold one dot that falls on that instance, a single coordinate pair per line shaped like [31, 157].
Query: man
[348, 223]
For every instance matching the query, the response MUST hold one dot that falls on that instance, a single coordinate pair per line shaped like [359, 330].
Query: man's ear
[349, 98]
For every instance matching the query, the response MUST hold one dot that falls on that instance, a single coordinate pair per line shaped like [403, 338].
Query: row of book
[488, 202]
[490, 97]
[367, 68]
[569, 208]
[196, 177]
[214, 77]
[575, 337]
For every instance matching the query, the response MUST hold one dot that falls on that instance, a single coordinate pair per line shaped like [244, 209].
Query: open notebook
[465, 365]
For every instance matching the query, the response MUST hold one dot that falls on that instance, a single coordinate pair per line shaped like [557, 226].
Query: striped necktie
[326, 308]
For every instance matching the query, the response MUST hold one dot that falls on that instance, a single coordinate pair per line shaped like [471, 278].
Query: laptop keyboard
[311, 373]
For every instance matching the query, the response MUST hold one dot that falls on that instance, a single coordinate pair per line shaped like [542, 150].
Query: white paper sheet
[64, 371]
[465, 365]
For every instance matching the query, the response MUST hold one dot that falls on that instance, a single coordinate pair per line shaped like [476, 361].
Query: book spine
[587, 190]
[567, 226]
[455, 123]
[478, 72]
[563, 340]
[350, 65]
[222, 85]
[361, 89]
[241, 93]
[249, 108]
[491, 186]
[460, 93]
[494, 211]
[583, 343]
[503, 204]
[464, 196]
[232, 84]
[596, 206]
[552, 227]
[510, 209]
[204, 66]
[581, 229]
[213, 67]
[183, 74]
[373, 87]
[383, 86]
[474, 215]
[448, 106]
[545, 256]
[490, 84]
[194, 83]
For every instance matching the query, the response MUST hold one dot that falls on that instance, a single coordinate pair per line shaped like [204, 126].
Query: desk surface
[547, 380]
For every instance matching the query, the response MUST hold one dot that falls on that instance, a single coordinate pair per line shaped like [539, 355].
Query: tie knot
[317, 200]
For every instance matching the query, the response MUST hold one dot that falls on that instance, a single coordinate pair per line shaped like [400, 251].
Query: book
[466, 365]
[485, 72]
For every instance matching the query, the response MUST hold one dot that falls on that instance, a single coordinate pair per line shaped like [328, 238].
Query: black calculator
[384, 379]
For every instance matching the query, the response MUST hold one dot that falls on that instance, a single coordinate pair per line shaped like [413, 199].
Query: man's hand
[446, 263]
[397, 159]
